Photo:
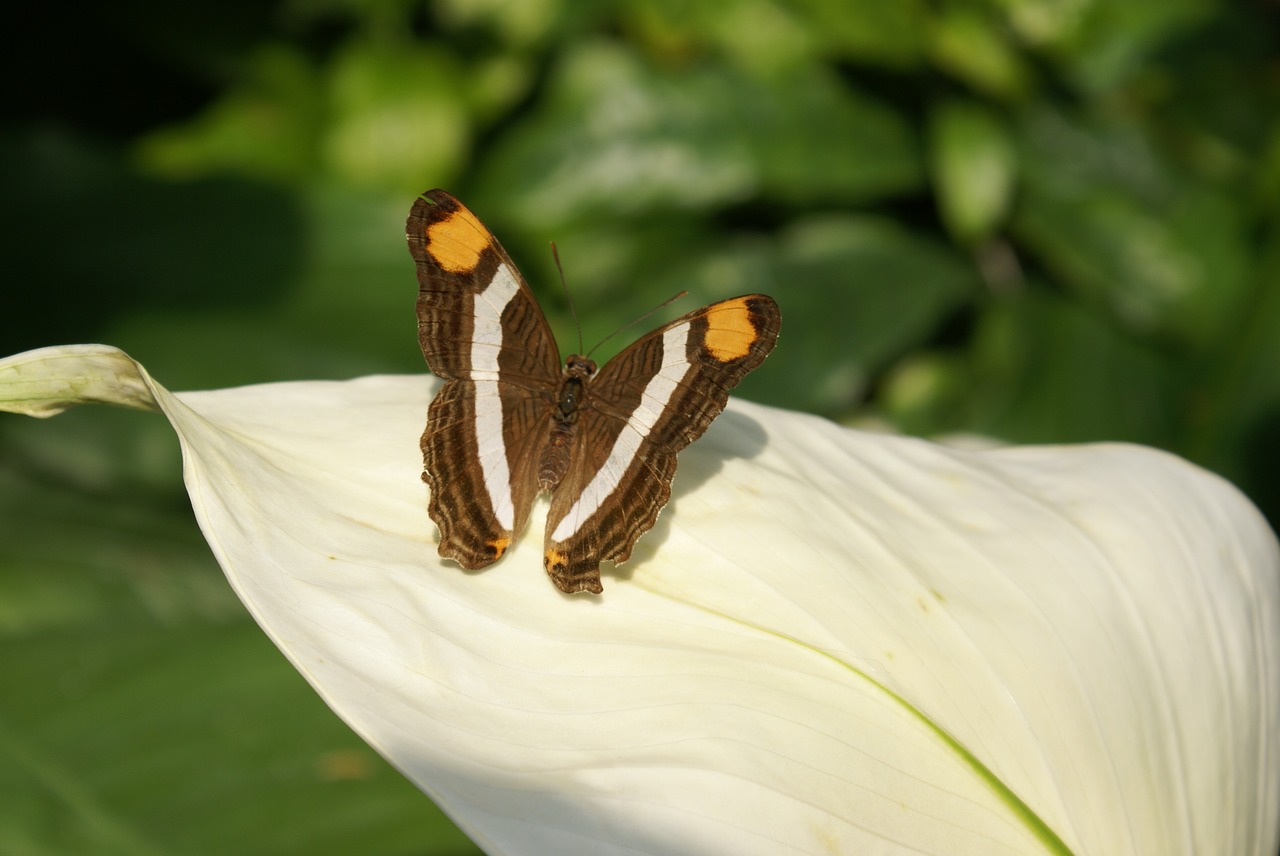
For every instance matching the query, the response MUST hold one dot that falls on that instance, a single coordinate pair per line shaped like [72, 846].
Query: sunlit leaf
[397, 117]
[619, 136]
[974, 167]
[266, 127]
[971, 44]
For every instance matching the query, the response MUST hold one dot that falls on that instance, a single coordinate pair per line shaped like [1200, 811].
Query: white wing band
[657, 395]
[486, 344]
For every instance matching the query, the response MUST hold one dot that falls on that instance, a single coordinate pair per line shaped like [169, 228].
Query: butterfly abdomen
[554, 462]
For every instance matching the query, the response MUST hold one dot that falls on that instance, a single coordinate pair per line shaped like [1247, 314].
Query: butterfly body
[554, 461]
[511, 421]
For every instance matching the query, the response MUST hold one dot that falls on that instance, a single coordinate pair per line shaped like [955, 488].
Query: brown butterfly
[511, 421]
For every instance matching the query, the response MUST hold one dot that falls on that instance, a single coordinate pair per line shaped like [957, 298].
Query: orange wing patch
[499, 546]
[730, 330]
[457, 241]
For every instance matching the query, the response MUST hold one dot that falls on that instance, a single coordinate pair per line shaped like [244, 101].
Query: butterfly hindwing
[481, 330]
[645, 405]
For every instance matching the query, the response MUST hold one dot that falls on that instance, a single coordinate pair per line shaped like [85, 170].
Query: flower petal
[831, 642]
[47, 381]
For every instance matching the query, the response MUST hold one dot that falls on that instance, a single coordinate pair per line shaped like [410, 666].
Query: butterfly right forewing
[644, 406]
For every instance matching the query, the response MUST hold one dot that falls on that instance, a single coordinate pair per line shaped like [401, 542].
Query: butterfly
[511, 421]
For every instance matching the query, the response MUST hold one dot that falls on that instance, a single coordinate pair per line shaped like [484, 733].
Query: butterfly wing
[643, 407]
[477, 320]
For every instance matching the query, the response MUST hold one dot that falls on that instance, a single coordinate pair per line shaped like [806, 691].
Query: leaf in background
[375, 115]
[130, 735]
[855, 291]
[1046, 370]
[399, 117]
[819, 139]
[619, 136]
[140, 246]
[756, 34]
[928, 394]
[1163, 251]
[266, 127]
[518, 23]
[969, 42]
[1239, 408]
[974, 168]
[1044, 23]
[94, 532]
[768, 36]
[1098, 44]
[870, 31]
[346, 311]
[936, 651]
[1115, 39]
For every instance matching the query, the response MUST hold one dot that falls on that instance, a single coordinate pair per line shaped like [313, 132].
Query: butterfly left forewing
[482, 332]
[644, 406]
[473, 305]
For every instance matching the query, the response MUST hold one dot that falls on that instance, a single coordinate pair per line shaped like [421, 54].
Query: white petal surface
[832, 642]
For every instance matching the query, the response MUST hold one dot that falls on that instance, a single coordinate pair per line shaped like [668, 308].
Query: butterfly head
[579, 366]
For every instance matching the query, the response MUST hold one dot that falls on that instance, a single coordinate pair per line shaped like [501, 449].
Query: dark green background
[1039, 221]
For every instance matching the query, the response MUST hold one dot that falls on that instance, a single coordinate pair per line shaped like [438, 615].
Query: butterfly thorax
[554, 462]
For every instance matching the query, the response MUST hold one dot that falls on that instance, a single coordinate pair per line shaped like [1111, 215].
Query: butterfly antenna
[555, 254]
[663, 305]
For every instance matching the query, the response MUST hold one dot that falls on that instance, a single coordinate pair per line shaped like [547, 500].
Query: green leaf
[1166, 253]
[268, 126]
[872, 31]
[398, 116]
[1114, 40]
[1098, 44]
[928, 393]
[138, 738]
[974, 167]
[1238, 409]
[819, 139]
[620, 136]
[377, 115]
[755, 34]
[969, 43]
[517, 23]
[855, 293]
[765, 35]
[186, 249]
[1048, 370]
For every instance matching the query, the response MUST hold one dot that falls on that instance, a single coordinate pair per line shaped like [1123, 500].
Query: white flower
[832, 642]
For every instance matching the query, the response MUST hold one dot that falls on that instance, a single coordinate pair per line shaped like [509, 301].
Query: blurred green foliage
[1036, 220]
